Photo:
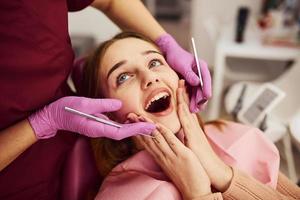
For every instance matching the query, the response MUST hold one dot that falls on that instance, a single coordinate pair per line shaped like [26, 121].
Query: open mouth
[159, 103]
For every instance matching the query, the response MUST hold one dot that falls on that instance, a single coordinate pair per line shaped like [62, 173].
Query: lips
[159, 102]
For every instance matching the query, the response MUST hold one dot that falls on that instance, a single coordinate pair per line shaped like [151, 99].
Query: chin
[170, 121]
[173, 125]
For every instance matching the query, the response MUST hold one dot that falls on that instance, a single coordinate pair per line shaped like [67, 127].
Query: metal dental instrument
[92, 117]
[197, 62]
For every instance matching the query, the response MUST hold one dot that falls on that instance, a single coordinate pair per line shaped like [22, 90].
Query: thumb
[92, 106]
[191, 77]
[193, 103]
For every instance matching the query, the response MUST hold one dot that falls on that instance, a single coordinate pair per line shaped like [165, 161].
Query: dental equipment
[261, 103]
[197, 62]
[92, 117]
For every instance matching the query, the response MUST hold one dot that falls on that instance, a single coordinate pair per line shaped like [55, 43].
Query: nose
[151, 82]
[150, 78]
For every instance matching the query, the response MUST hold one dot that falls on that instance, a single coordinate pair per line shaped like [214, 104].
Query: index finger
[174, 143]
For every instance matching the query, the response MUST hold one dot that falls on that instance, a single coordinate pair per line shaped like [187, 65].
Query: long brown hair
[108, 153]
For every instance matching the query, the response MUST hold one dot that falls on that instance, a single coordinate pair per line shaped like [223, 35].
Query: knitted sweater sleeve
[244, 186]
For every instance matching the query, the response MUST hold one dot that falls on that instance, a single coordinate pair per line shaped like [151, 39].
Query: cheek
[127, 107]
[130, 103]
[175, 80]
[171, 78]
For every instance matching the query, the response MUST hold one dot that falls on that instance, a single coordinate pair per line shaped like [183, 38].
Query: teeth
[156, 97]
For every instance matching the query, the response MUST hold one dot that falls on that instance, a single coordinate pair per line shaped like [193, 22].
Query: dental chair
[80, 178]
[279, 120]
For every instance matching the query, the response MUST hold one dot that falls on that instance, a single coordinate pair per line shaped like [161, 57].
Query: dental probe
[92, 117]
[197, 62]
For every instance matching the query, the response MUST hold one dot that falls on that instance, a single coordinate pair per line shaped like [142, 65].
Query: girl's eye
[155, 63]
[122, 78]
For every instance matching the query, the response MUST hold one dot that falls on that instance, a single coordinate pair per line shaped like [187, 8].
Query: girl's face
[135, 72]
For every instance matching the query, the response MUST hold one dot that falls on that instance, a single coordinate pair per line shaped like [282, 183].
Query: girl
[221, 160]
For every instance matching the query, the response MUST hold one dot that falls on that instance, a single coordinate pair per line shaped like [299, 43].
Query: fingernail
[142, 118]
[147, 135]
[158, 126]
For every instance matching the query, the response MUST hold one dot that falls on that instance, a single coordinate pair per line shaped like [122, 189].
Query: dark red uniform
[35, 60]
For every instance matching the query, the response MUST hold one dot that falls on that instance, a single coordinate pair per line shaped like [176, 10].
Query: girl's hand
[178, 162]
[194, 138]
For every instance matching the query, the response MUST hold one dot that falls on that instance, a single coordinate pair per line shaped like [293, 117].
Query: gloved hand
[184, 63]
[54, 117]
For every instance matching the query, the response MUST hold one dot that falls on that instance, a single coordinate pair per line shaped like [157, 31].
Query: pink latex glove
[53, 117]
[184, 63]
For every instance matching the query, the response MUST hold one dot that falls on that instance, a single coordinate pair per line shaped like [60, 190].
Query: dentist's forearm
[15, 140]
[132, 15]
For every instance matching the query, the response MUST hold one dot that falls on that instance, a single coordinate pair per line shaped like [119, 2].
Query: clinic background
[246, 44]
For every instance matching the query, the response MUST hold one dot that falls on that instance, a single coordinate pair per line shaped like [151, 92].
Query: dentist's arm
[15, 140]
[132, 15]
[47, 121]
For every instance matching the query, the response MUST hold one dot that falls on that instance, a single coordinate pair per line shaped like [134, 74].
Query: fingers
[158, 146]
[108, 105]
[163, 140]
[199, 96]
[151, 147]
[196, 102]
[181, 84]
[183, 113]
[96, 129]
[173, 142]
[91, 106]
[191, 77]
[206, 80]
[132, 117]
[99, 115]
[182, 104]
[186, 118]
[128, 130]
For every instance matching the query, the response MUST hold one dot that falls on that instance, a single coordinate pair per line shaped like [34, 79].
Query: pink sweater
[244, 148]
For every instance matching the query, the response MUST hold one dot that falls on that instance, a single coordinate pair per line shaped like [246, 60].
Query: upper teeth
[156, 97]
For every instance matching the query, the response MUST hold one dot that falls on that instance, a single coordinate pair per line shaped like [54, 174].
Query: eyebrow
[117, 65]
[151, 51]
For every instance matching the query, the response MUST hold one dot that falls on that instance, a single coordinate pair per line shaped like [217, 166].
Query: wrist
[197, 191]
[41, 125]
[224, 179]
[219, 173]
[227, 179]
[165, 42]
[198, 195]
